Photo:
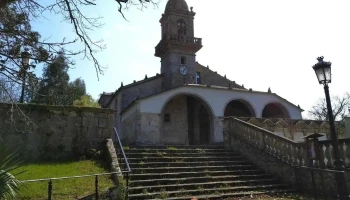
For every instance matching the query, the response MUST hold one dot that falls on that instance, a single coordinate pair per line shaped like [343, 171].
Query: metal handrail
[50, 182]
[122, 149]
[70, 177]
[126, 162]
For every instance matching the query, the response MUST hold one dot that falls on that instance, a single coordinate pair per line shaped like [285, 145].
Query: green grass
[62, 189]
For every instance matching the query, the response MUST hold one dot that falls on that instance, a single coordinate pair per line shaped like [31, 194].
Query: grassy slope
[62, 189]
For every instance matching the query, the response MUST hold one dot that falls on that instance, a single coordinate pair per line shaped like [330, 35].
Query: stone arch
[239, 108]
[187, 120]
[195, 95]
[275, 110]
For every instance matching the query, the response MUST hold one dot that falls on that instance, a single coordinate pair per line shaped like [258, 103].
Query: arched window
[181, 27]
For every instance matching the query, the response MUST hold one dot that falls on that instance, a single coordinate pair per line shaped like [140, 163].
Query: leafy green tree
[74, 12]
[16, 37]
[76, 89]
[86, 101]
[55, 88]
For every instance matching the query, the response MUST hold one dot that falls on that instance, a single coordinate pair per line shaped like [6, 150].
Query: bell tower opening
[178, 46]
[181, 27]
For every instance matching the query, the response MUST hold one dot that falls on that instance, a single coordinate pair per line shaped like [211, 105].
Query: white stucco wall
[217, 99]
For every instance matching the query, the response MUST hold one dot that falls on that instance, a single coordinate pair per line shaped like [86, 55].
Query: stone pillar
[347, 127]
[218, 136]
[314, 156]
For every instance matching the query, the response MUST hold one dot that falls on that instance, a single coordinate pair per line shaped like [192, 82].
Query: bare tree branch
[340, 106]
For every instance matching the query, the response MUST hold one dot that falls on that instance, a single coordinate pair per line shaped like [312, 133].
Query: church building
[184, 104]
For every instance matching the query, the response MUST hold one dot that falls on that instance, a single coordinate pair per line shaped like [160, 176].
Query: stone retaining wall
[54, 131]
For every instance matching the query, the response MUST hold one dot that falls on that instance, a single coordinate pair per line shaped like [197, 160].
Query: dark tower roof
[176, 5]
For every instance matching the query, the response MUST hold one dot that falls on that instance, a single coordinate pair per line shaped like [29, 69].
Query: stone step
[176, 154]
[192, 186]
[206, 178]
[177, 147]
[181, 172]
[164, 194]
[174, 158]
[143, 176]
[179, 163]
[176, 150]
[228, 196]
[191, 169]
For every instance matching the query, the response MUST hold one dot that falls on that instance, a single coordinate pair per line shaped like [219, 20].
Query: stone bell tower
[178, 46]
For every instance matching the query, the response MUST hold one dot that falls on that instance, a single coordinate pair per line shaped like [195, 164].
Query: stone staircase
[205, 172]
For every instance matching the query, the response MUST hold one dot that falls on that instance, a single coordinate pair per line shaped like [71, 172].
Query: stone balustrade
[326, 158]
[183, 39]
[195, 43]
[280, 147]
[296, 129]
[288, 160]
[288, 150]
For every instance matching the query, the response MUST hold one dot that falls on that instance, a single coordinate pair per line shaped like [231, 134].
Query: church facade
[184, 103]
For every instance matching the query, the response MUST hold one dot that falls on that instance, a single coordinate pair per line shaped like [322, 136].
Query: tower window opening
[198, 78]
[183, 60]
[181, 27]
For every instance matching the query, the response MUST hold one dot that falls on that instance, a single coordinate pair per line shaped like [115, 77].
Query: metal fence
[50, 182]
[123, 164]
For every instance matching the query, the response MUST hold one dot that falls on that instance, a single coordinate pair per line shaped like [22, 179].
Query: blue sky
[260, 44]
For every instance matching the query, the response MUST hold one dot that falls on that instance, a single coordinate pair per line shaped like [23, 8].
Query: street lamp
[324, 76]
[25, 65]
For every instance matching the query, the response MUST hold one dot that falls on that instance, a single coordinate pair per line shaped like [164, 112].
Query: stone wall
[129, 126]
[140, 128]
[176, 131]
[137, 90]
[54, 131]
[150, 132]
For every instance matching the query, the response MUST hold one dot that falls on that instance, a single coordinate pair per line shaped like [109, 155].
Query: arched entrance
[275, 110]
[239, 108]
[187, 120]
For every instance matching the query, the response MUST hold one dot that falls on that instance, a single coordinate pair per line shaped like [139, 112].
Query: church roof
[176, 5]
[234, 84]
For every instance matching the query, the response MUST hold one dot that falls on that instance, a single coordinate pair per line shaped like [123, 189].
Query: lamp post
[25, 65]
[324, 76]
